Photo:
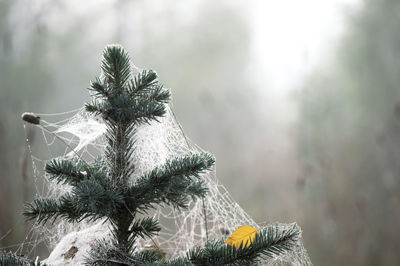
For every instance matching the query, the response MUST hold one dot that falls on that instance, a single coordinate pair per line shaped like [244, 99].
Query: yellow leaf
[242, 234]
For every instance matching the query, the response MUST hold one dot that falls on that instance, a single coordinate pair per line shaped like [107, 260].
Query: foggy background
[298, 100]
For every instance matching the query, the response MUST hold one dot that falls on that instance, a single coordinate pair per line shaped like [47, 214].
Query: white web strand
[155, 143]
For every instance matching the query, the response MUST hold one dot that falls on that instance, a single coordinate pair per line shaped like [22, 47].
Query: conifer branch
[142, 82]
[100, 89]
[116, 66]
[172, 183]
[270, 242]
[68, 207]
[148, 257]
[15, 260]
[102, 252]
[96, 201]
[66, 171]
[144, 227]
[42, 209]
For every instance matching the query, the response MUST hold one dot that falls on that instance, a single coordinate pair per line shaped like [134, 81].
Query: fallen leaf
[243, 234]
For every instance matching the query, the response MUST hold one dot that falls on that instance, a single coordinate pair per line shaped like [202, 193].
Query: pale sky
[291, 37]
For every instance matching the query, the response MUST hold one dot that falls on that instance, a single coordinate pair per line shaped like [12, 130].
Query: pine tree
[103, 189]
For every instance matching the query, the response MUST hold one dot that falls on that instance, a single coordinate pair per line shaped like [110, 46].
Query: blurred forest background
[298, 100]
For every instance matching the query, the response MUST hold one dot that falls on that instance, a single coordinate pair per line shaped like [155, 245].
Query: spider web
[77, 133]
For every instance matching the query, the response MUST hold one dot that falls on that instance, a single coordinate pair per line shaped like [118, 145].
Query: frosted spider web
[217, 214]
[214, 217]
